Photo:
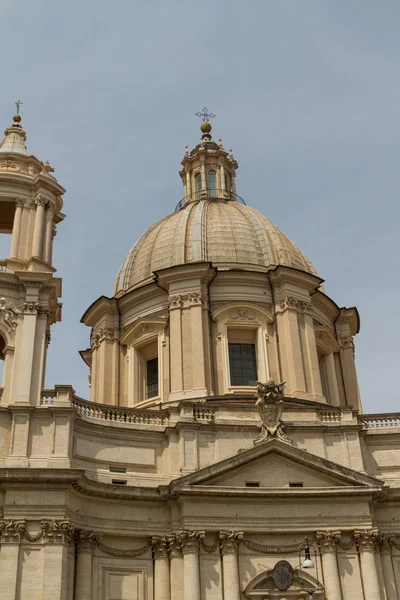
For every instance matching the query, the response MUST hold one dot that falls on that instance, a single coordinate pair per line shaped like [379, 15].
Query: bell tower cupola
[30, 209]
[208, 170]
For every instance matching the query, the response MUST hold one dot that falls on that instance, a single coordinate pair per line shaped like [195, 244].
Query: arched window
[197, 186]
[212, 184]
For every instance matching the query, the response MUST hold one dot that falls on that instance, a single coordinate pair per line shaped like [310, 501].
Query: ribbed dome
[218, 231]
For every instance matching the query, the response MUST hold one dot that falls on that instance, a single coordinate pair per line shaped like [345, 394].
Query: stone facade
[201, 487]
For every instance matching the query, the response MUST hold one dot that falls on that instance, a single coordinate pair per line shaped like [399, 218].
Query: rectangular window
[252, 484]
[295, 485]
[152, 378]
[242, 364]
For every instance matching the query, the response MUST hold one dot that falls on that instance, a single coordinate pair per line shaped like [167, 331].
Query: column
[48, 236]
[175, 307]
[327, 541]
[289, 343]
[222, 177]
[349, 369]
[176, 567]
[197, 334]
[389, 580]
[38, 230]
[332, 378]
[85, 544]
[188, 190]
[312, 355]
[203, 176]
[11, 533]
[26, 349]
[16, 232]
[366, 541]
[162, 589]
[228, 542]
[191, 572]
[57, 536]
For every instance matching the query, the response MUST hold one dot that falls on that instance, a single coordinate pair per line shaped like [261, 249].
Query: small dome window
[197, 186]
[212, 184]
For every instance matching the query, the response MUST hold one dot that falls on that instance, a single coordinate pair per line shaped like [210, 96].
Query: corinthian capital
[386, 541]
[160, 546]
[328, 540]
[86, 541]
[229, 541]
[190, 540]
[12, 531]
[366, 539]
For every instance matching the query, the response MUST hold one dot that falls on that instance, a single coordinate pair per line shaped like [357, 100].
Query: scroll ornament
[270, 407]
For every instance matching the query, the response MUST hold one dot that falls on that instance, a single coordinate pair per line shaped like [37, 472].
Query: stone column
[11, 534]
[57, 535]
[386, 542]
[162, 589]
[85, 544]
[228, 542]
[204, 182]
[175, 308]
[222, 177]
[48, 236]
[16, 232]
[327, 541]
[290, 343]
[188, 190]
[176, 567]
[196, 315]
[346, 344]
[190, 541]
[38, 230]
[366, 541]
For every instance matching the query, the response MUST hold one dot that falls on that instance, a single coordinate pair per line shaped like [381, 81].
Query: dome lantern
[208, 170]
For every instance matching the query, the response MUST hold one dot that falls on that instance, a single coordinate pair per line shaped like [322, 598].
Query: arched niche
[262, 587]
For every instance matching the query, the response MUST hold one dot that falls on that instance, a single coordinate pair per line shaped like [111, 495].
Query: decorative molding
[175, 545]
[229, 541]
[292, 302]
[328, 540]
[21, 202]
[346, 341]
[122, 553]
[387, 540]
[12, 531]
[160, 546]
[40, 201]
[86, 541]
[144, 330]
[270, 407]
[185, 300]
[366, 539]
[31, 307]
[104, 332]
[240, 314]
[9, 314]
[9, 165]
[325, 339]
[190, 540]
[57, 532]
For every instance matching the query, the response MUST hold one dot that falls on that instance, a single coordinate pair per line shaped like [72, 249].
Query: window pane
[197, 181]
[212, 184]
[152, 378]
[242, 364]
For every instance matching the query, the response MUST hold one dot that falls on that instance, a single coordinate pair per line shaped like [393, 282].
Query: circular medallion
[282, 575]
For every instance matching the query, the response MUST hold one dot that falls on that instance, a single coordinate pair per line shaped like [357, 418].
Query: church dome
[223, 232]
[210, 224]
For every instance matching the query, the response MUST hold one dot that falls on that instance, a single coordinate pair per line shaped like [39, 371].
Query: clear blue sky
[307, 93]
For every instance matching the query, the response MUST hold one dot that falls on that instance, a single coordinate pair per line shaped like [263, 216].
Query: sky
[307, 93]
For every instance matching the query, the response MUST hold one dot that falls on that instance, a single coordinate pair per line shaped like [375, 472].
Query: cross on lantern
[18, 104]
[205, 115]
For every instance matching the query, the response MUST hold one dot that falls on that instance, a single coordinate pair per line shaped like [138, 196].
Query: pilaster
[162, 589]
[228, 542]
[328, 541]
[366, 542]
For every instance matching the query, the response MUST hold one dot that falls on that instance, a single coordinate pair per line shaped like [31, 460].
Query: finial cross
[18, 104]
[205, 114]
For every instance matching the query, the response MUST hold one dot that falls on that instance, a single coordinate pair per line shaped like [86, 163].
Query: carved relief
[57, 532]
[190, 540]
[103, 333]
[242, 314]
[86, 541]
[12, 531]
[185, 300]
[9, 314]
[229, 541]
[294, 303]
[31, 307]
[9, 165]
[328, 540]
[270, 407]
[145, 330]
[366, 539]
[160, 546]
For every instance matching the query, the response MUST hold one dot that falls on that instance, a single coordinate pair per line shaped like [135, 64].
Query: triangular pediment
[277, 465]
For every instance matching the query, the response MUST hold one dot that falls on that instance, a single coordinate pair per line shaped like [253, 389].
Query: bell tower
[30, 209]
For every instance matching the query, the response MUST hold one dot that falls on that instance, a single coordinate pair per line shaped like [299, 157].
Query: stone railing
[3, 265]
[380, 421]
[201, 413]
[330, 416]
[118, 414]
[49, 397]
